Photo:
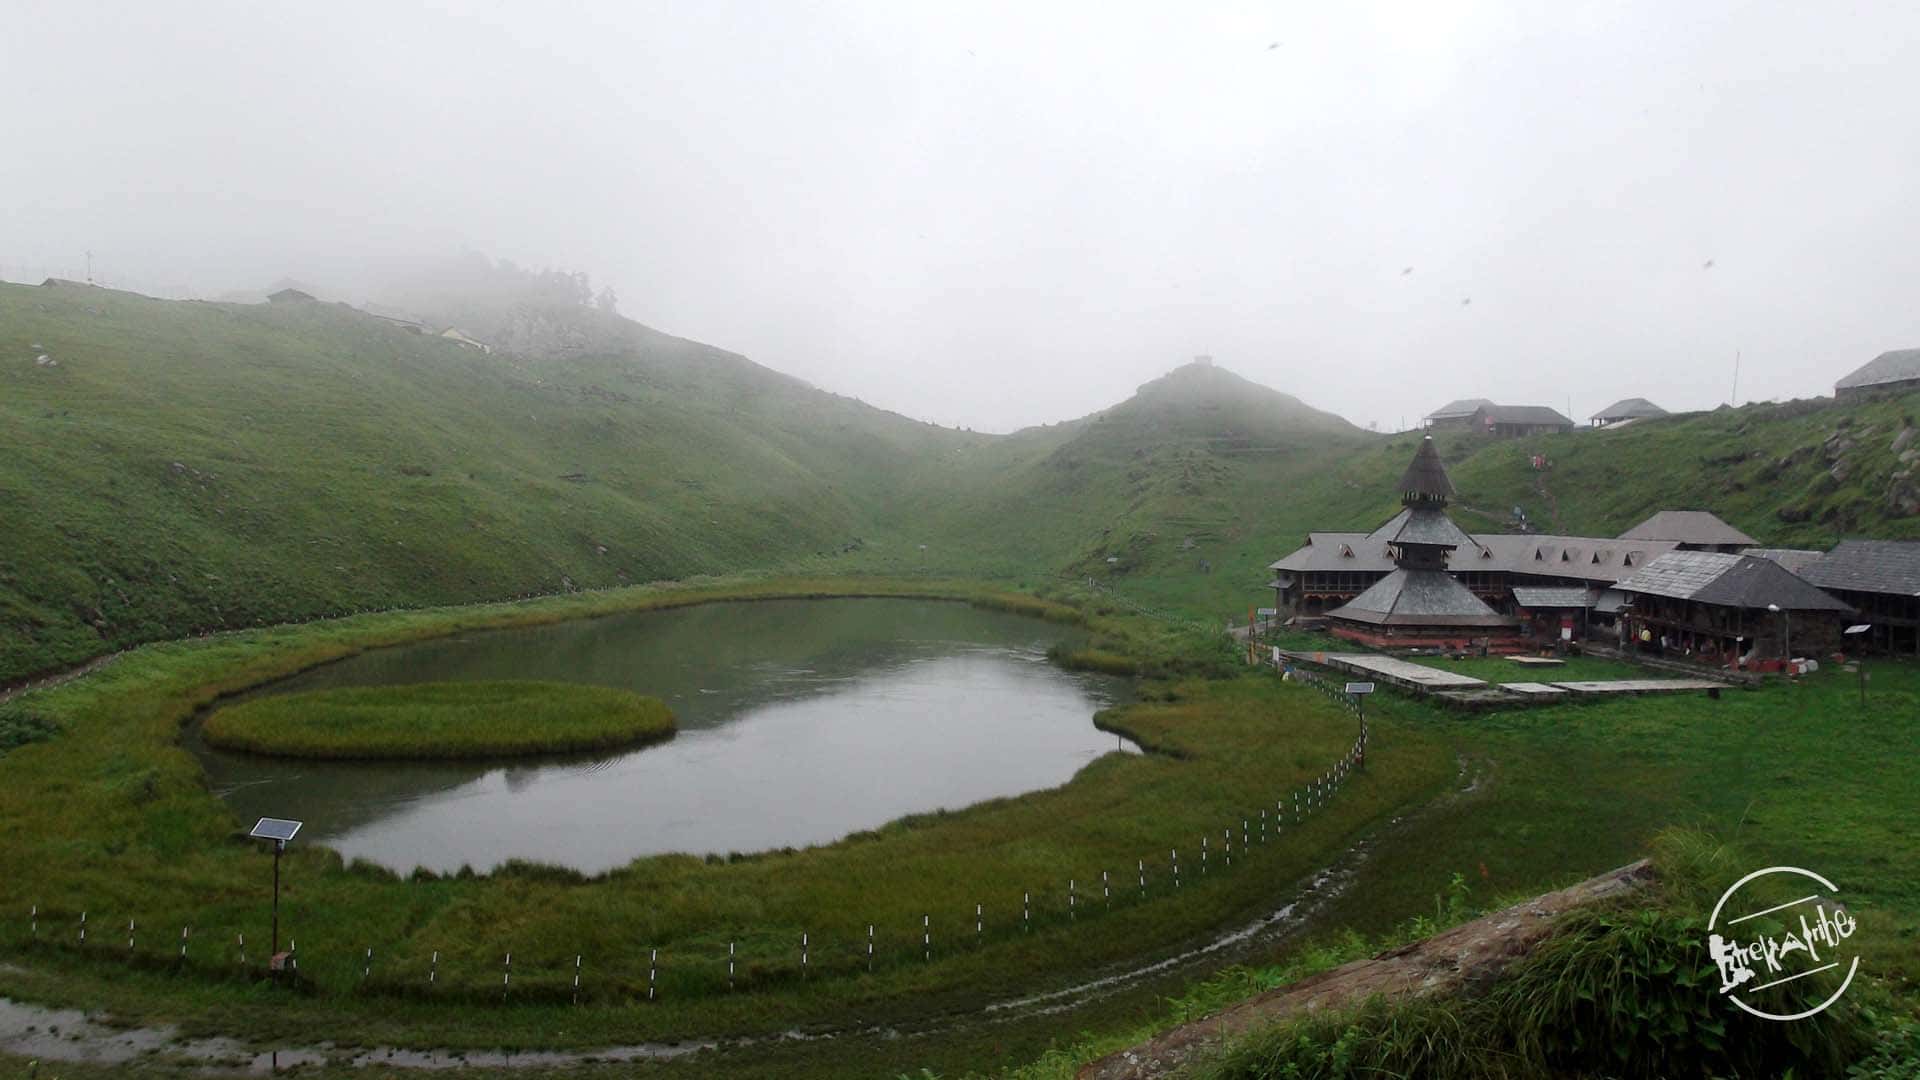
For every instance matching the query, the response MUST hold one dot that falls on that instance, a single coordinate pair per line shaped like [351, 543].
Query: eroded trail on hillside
[70, 1035]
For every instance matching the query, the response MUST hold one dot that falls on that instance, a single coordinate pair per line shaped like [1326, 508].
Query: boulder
[1903, 495]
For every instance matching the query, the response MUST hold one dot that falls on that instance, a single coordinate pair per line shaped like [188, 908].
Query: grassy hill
[179, 467]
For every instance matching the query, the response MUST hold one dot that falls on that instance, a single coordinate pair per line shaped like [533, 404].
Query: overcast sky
[997, 215]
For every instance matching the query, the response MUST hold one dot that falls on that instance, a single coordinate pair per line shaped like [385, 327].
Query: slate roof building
[1515, 421]
[1795, 560]
[1455, 414]
[1890, 372]
[1881, 579]
[1334, 567]
[1692, 530]
[1729, 610]
[1418, 603]
[1626, 412]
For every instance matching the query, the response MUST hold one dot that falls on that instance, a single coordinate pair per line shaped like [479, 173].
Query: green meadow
[232, 493]
[440, 720]
[1791, 773]
[114, 821]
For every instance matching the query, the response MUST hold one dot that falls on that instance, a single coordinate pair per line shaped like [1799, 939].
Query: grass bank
[1624, 988]
[440, 720]
[112, 819]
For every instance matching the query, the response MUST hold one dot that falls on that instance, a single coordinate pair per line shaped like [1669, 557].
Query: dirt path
[58, 677]
[1553, 504]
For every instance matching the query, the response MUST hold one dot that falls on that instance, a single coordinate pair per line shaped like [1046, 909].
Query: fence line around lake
[715, 967]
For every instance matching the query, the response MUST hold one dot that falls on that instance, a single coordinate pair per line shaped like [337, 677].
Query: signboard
[1359, 688]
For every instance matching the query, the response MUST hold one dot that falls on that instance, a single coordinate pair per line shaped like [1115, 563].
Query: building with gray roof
[1896, 371]
[1504, 421]
[1626, 411]
[1693, 530]
[1795, 560]
[1455, 413]
[1726, 609]
[1881, 579]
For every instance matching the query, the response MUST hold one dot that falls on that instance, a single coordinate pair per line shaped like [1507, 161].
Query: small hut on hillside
[1626, 412]
[1894, 372]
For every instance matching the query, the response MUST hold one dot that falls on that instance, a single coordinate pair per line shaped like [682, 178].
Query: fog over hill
[995, 217]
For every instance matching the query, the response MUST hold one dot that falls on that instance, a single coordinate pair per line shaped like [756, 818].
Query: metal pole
[278, 846]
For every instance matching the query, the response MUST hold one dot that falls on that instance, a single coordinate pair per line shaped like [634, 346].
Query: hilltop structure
[1419, 603]
[1626, 412]
[1455, 414]
[1891, 372]
[1501, 421]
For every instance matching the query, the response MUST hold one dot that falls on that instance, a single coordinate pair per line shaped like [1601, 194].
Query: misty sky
[996, 215]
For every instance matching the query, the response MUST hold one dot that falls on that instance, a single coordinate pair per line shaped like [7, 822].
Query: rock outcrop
[1466, 957]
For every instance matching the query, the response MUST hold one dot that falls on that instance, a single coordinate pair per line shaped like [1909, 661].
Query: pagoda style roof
[1425, 476]
[1422, 525]
[1420, 598]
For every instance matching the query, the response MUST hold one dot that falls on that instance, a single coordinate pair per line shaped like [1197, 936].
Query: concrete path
[1641, 686]
[1403, 673]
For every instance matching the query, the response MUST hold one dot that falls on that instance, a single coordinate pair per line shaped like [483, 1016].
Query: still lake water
[799, 722]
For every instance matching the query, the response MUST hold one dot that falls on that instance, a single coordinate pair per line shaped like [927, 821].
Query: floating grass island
[440, 720]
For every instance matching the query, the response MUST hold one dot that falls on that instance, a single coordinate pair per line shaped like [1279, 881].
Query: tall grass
[440, 720]
[1620, 989]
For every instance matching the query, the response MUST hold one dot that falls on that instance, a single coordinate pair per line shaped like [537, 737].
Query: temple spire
[1425, 481]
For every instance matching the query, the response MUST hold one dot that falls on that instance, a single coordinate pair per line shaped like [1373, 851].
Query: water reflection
[800, 721]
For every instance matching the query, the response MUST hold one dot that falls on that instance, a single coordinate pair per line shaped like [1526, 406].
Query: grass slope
[440, 720]
[185, 467]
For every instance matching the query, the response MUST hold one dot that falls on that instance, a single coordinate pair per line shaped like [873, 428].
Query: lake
[801, 721]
